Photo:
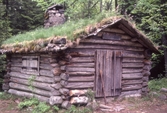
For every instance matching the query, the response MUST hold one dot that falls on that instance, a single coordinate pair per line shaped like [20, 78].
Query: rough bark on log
[127, 55]
[81, 79]
[79, 100]
[64, 91]
[57, 78]
[65, 104]
[80, 85]
[77, 92]
[53, 100]
[81, 73]
[34, 90]
[132, 60]
[113, 30]
[40, 85]
[30, 95]
[64, 76]
[131, 70]
[36, 78]
[56, 86]
[132, 76]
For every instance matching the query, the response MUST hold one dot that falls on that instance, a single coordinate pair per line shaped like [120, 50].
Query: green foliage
[6, 96]
[41, 108]
[157, 84]
[90, 94]
[30, 82]
[28, 103]
[66, 29]
[55, 108]
[74, 109]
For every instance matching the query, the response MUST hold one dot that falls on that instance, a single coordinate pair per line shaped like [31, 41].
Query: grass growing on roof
[66, 29]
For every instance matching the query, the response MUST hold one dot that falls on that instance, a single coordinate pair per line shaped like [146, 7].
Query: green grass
[157, 84]
[66, 29]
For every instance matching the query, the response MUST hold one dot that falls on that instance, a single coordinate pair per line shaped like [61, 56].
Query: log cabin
[110, 58]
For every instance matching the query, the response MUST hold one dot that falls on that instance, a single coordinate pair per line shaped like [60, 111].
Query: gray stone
[164, 90]
[162, 97]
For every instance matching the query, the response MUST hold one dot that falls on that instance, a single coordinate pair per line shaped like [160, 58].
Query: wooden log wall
[45, 85]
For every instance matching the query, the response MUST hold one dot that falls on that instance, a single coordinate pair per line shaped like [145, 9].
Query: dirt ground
[130, 105]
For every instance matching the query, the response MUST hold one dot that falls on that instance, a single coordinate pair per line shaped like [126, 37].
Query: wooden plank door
[108, 70]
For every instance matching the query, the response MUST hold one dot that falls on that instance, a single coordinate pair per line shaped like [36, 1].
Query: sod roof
[60, 38]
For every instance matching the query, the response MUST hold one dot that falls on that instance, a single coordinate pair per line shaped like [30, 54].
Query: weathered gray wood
[145, 78]
[79, 69]
[127, 30]
[54, 65]
[82, 59]
[77, 85]
[131, 87]
[77, 92]
[45, 66]
[126, 93]
[16, 60]
[111, 47]
[147, 67]
[17, 56]
[81, 79]
[63, 83]
[47, 73]
[131, 70]
[79, 100]
[81, 73]
[134, 60]
[53, 100]
[16, 69]
[147, 62]
[132, 76]
[56, 86]
[33, 90]
[111, 36]
[82, 65]
[122, 42]
[128, 55]
[145, 84]
[146, 73]
[56, 71]
[64, 91]
[64, 76]
[37, 78]
[30, 72]
[52, 60]
[125, 37]
[132, 65]
[5, 86]
[81, 54]
[35, 84]
[27, 94]
[15, 64]
[113, 30]
[130, 82]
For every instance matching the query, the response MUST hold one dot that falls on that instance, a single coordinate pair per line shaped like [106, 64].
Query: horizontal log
[122, 42]
[131, 82]
[17, 56]
[81, 79]
[131, 87]
[5, 86]
[54, 100]
[45, 66]
[29, 95]
[146, 73]
[145, 84]
[126, 93]
[132, 76]
[131, 70]
[79, 100]
[41, 85]
[80, 85]
[54, 65]
[37, 78]
[33, 90]
[56, 86]
[47, 73]
[81, 73]
[44, 60]
[147, 62]
[145, 89]
[34, 72]
[133, 65]
[147, 67]
[82, 59]
[16, 69]
[57, 78]
[52, 60]
[111, 47]
[79, 69]
[64, 76]
[81, 54]
[77, 92]
[63, 82]
[113, 30]
[81, 65]
[16, 64]
[134, 60]
[128, 55]
[16, 60]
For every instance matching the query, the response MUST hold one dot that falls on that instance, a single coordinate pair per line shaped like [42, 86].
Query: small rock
[162, 97]
[163, 90]
[118, 108]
